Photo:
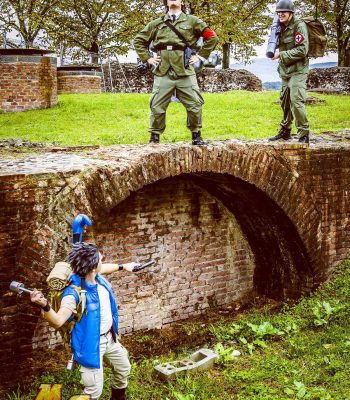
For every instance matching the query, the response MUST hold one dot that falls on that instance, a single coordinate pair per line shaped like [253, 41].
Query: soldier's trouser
[293, 95]
[117, 357]
[187, 91]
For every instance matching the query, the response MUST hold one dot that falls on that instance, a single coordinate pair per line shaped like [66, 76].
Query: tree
[98, 26]
[26, 18]
[240, 24]
[335, 14]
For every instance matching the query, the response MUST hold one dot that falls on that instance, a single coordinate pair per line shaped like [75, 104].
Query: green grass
[300, 352]
[107, 118]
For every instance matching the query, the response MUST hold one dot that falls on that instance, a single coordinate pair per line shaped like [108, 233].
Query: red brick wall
[202, 257]
[27, 83]
[78, 83]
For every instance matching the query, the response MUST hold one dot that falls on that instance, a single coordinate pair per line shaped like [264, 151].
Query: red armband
[208, 33]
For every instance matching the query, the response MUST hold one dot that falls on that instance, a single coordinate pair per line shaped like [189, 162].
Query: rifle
[274, 37]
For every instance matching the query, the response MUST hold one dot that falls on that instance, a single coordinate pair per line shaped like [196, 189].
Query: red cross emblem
[299, 38]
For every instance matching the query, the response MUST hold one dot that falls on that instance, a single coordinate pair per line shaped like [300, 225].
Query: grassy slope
[293, 356]
[123, 118]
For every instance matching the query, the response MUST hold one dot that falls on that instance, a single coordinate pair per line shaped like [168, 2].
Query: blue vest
[85, 340]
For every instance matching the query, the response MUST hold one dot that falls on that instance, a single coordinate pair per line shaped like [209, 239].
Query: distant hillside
[263, 68]
[272, 85]
[324, 65]
[266, 69]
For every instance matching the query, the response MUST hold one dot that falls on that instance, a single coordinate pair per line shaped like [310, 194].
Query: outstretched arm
[110, 268]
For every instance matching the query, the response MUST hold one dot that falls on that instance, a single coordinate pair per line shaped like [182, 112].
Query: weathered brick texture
[221, 221]
[78, 82]
[27, 82]
[202, 257]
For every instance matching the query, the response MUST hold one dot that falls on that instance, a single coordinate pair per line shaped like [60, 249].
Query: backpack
[317, 37]
[58, 279]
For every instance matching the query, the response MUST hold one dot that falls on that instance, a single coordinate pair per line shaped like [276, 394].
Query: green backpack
[58, 279]
[317, 37]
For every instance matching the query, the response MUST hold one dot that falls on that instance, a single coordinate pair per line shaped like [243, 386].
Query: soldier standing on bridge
[293, 69]
[170, 71]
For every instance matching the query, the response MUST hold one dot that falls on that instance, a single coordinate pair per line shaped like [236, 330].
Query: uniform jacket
[86, 333]
[294, 46]
[160, 34]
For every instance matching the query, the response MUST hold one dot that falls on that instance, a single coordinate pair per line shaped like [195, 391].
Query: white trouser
[117, 357]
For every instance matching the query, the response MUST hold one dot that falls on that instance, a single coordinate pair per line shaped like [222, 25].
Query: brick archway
[98, 190]
[250, 173]
[253, 186]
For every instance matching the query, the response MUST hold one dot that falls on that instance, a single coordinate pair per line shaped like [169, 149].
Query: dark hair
[83, 258]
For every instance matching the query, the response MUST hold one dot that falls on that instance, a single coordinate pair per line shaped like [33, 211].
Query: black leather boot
[283, 133]
[197, 139]
[118, 394]
[154, 138]
[304, 139]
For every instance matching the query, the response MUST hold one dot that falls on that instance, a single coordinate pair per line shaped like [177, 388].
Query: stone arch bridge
[223, 222]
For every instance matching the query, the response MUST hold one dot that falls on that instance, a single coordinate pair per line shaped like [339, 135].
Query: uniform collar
[181, 17]
[176, 14]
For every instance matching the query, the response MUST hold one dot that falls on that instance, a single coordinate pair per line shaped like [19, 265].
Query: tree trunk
[347, 58]
[226, 50]
[94, 53]
[28, 43]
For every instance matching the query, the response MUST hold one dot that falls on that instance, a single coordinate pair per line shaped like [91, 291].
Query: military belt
[171, 47]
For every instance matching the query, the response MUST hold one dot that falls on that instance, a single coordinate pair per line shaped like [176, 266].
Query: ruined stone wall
[125, 78]
[27, 82]
[331, 80]
[78, 82]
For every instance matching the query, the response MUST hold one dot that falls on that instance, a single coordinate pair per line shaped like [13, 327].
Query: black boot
[197, 139]
[283, 133]
[154, 138]
[304, 139]
[118, 394]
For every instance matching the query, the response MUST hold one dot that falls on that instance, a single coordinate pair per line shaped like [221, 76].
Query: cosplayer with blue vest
[94, 336]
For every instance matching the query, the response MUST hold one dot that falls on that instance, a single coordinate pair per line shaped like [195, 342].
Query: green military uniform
[293, 69]
[170, 73]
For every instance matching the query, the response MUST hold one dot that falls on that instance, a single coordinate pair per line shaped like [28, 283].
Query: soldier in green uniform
[293, 69]
[170, 72]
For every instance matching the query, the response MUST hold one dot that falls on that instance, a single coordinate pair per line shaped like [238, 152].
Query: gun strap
[179, 34]
[83, 295]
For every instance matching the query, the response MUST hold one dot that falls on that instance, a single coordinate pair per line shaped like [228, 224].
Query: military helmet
[285, 5]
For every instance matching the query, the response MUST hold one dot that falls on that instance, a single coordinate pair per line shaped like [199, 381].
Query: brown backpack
[317, 37]
[57, 281]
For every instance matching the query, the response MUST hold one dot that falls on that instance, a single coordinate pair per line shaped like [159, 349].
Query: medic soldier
[293, 69]
[170, 72]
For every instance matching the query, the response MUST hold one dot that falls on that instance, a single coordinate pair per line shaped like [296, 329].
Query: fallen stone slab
[200, 360]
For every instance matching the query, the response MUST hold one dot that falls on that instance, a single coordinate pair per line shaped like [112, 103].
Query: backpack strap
[179, 34]
[82, 296]
[155, 28]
